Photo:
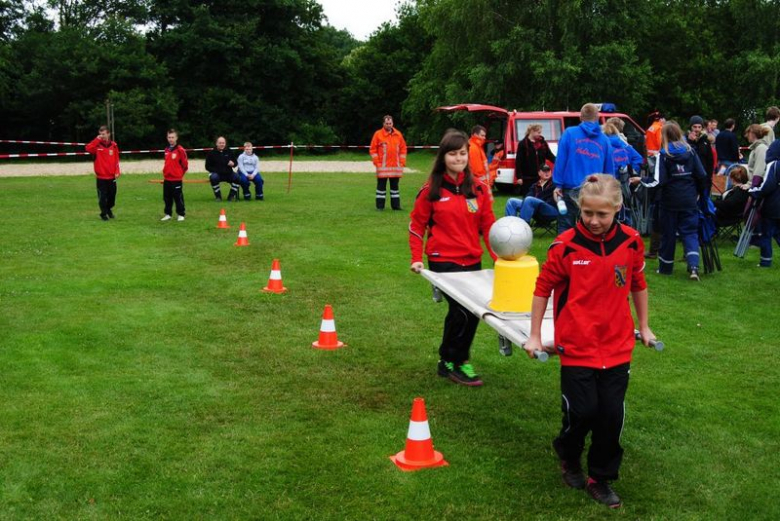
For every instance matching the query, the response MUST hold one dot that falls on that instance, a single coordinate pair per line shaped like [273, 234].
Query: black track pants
[592, 401]
[173, 193]
[106, 192]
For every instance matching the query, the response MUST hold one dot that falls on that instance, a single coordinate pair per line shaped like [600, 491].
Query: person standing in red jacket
[590, 271]
[453, 208]
[175, 167]
[106, 154]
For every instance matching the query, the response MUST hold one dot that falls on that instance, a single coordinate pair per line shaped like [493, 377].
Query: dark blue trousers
[686, 223]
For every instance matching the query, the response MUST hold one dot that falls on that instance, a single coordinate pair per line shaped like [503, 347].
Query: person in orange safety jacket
[478, 163]
[388, 152]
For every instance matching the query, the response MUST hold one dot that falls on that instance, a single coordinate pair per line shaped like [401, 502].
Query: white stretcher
[474, 290]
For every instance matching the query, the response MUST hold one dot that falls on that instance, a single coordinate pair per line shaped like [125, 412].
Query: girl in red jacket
[453, 208]
[590, 271]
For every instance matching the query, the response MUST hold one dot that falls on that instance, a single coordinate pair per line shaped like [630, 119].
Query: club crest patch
[173, 156]
[110, 151]
[620, 275]
[472, 205]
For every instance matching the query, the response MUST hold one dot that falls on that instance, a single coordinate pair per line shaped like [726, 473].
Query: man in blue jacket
[582, 150]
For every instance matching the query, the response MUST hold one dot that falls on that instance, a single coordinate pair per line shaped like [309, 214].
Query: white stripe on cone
[276, 275]
[328, 326]
[418, 431]
[242, 233]
[223, 218]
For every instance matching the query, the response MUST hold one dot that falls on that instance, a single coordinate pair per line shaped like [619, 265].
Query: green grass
[144, 374]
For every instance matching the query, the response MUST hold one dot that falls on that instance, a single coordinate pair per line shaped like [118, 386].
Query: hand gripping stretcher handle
[654, 343]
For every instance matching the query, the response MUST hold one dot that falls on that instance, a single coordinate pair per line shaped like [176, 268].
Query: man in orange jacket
[106, 154]
[478, 163]
[388, 152]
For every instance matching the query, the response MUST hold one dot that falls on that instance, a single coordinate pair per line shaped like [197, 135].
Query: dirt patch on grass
[147, 166]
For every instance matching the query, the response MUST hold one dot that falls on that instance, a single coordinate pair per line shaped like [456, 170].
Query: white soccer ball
[510, 238]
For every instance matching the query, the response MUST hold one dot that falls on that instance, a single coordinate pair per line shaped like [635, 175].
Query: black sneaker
[445, 368]
[104, 216]
[572, 475]
[259, 198]
[694, 274]
[110, 214]
[464, 375]
[603, 493]
[232, 197]
[217, 197]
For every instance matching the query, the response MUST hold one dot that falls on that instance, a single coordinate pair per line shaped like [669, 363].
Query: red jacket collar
[597, 238]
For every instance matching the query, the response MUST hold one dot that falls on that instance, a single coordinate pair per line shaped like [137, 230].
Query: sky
[359, 17]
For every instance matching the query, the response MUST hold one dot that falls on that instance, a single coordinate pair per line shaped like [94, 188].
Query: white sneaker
[166, 218]
[180, 218]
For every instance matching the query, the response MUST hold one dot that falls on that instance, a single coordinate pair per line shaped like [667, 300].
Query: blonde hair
[248, 143]
[672, 133]
[589, 112]
[619, 123]
[601, 185]
[610, 129]
[533, 127]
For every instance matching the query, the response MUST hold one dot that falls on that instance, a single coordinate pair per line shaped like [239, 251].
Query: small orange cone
[222, 223]
[328, 338]
[275, 280]
[418, 453]
[243, 240]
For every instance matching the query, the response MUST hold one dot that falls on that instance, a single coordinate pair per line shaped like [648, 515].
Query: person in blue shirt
[583, 150]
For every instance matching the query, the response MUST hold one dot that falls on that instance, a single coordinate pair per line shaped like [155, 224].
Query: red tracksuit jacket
[106, 158]
[176, 164]
[453, 223]
[590, 278]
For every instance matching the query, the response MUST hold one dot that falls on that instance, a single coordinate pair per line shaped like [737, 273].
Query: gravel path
[147, 166]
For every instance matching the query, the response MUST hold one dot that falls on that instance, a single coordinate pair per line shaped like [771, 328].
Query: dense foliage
[274, 70]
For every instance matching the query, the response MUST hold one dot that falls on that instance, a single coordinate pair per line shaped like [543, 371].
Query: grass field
[144, 374]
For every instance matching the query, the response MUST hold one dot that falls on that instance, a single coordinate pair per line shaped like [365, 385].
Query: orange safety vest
[653, 137]
[478, 160]
[493, 166]
[388, 152]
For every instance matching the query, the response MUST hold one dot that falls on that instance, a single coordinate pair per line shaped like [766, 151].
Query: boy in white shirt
[249, 172]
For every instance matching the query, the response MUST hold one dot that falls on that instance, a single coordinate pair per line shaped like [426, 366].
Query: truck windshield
[551, 128]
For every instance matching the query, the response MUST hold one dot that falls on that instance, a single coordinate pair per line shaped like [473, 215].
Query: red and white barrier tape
[207, 149]
[20, 142]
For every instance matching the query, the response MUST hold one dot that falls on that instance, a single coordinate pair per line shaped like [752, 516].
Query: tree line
[274, 71]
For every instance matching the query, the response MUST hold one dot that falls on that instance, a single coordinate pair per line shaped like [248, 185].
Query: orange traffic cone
[222, 223]
[419, 453]
[243, 240]
[328, 338]
[275, 280]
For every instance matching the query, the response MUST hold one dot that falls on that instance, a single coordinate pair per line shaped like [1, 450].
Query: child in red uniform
[106, 154]
[590, 270]
[453, 208]
[175, 167]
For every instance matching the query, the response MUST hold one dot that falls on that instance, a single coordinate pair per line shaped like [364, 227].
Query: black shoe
[217, 197]
[232, 197]
[110, 214]
[572, 475]
[603, 493]
[104, 216]
[464, 374]
[247, 197]
[444, 369]
[380, 209]
[259, 198]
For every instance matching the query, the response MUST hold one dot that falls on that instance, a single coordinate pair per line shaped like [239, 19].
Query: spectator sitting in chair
[729, 209]
[540, 204]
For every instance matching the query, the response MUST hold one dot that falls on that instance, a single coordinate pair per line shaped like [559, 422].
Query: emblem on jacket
[472, 205]
[620, 276]
[110, 151]
[173, 156]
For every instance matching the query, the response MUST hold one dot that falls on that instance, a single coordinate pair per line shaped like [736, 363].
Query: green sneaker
[464, 374]
[445, 368]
